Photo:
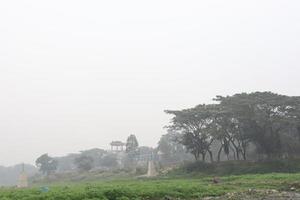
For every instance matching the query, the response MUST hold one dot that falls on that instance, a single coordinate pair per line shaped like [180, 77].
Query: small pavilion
[117, 146]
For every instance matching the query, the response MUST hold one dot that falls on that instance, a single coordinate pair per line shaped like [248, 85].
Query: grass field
[167, 188]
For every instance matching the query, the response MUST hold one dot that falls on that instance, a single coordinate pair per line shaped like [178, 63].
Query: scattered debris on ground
[253, 194]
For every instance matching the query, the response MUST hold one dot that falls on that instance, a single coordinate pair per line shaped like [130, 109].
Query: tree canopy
[84, 162]
[269, 121]
[131, 144]
[46, 164]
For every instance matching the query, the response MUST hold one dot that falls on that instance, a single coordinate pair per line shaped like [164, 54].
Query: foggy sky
[77, 74]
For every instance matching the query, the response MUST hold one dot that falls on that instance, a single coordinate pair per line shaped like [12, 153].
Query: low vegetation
[236, 168]
[188, 188]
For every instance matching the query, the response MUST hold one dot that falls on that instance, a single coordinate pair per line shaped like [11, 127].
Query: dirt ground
[258, 195]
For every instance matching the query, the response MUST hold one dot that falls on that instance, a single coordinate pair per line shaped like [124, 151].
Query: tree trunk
[196, 156]
[237, 151]
[244, 150]
[244, 155]
[234, 155]
[203, 157]
[219, 153]
[211, 156]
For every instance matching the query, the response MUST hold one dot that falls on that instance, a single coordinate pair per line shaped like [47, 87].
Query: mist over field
[77, 75]
[96, 90]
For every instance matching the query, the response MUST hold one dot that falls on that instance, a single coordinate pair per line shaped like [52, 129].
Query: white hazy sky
[77, 74]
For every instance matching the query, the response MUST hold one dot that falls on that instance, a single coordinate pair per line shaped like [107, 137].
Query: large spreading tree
[194, 125]
[269, 121]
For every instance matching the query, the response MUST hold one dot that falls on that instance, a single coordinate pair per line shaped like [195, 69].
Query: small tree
[132, 152]
[46, 164]
[131, 144]
[109, 161]
[171, 150]
[84, 163]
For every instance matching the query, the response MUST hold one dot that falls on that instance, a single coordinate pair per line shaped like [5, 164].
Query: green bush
[117, 193]
[141, 170]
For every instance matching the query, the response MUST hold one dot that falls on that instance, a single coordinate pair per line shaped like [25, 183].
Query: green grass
[191, 188]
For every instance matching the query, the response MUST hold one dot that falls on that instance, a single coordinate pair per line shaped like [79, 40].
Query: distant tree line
[263, 124]
[266, 121]
[83, 161]
[97, 159]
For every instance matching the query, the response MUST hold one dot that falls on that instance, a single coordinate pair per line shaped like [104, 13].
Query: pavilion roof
[117, 143]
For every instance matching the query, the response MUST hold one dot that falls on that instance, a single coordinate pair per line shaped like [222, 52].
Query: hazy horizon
[76, 75]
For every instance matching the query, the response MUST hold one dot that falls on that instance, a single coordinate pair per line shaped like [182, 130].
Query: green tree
[46, 164]
[267, 119]
[131, 144]
[109, 160]
[226, 129]
[194, 124]
[132, 152]
[96, 154]
[170, 149]
[84, 162]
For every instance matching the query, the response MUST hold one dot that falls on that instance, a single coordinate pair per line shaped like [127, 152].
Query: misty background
[78, 74]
